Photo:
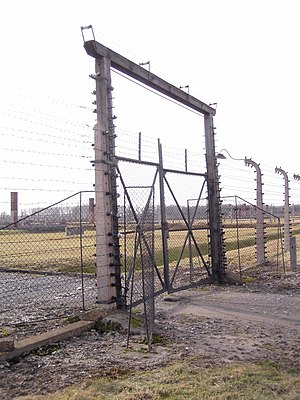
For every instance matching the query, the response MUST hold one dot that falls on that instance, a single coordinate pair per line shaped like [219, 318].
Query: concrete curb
[34, 342]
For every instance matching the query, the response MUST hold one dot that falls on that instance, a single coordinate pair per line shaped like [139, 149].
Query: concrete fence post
[286, 225]
[293, 253]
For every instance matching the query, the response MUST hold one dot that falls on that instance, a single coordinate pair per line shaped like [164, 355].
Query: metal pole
[164, 223]
[190, 241]
[140, 146]
[125, 247]
[136, 245]
[91, 210]
[185, 160]
[81, 249]
[238, 239]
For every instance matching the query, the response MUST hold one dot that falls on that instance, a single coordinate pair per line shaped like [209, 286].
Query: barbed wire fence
[47, 260]
[47, 253]
[236, 178]
[240, 227]
[47, 264]
[45, 151]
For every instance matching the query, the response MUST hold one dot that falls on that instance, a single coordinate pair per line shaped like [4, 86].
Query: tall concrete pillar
[260, 229]
[286, 223]
[218, 253]
[107, 242]
[14, 208]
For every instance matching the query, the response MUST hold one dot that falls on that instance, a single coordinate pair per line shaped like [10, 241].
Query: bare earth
[254, 322]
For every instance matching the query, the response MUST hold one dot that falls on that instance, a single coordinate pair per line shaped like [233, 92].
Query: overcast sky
[241, 54]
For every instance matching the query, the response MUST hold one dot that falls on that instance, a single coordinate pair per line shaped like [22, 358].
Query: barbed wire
[42, 115]
[157, 93]
[46, 125]
[172, 155]
[32, 189]
[39, 180]
[135, 57]
[45, 153]
[40, 134]
[46, 165]
[18, 92]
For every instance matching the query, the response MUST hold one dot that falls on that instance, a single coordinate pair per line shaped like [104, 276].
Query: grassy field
[57, 252]
[188, 380]
[45, 251]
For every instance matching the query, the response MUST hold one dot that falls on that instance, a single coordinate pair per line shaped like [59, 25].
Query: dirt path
[241, 305]
[255, 322]
[235, 324]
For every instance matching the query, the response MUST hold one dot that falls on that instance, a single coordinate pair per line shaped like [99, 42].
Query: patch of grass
[4, 332]
[23, 326]
[158, 339]
[46, 350]
[107, 325]
[136, 321]
[202, 288]
[87, 268]
[143, 349]
[189, 380]
[248, 242]
[248, 279]
[71, 320]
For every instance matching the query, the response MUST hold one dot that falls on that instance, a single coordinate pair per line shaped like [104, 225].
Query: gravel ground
[41, 301]
[221, 324]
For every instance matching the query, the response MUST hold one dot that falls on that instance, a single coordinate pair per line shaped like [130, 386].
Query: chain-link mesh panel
[239, 234]
[47, 262]
[146, 232]
[183, 207]
[253, 238]
[295, 228]
[137, 182]
[275, 255]
[133, 240]
[186, 214]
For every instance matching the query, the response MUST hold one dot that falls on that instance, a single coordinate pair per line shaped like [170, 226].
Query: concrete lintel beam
[135, 71]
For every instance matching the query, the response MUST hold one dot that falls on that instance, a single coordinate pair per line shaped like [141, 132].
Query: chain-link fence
[180, 237]
[135, 195]
[252, 243]
[146, 234]
[47, 258]
[47, 262]
[186, 217]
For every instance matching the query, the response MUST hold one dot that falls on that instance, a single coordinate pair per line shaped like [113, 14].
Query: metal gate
[186, 229]
[109, 280]
[164, 230]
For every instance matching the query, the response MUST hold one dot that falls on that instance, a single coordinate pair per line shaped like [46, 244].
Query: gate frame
[161, 172]
[105, 59]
